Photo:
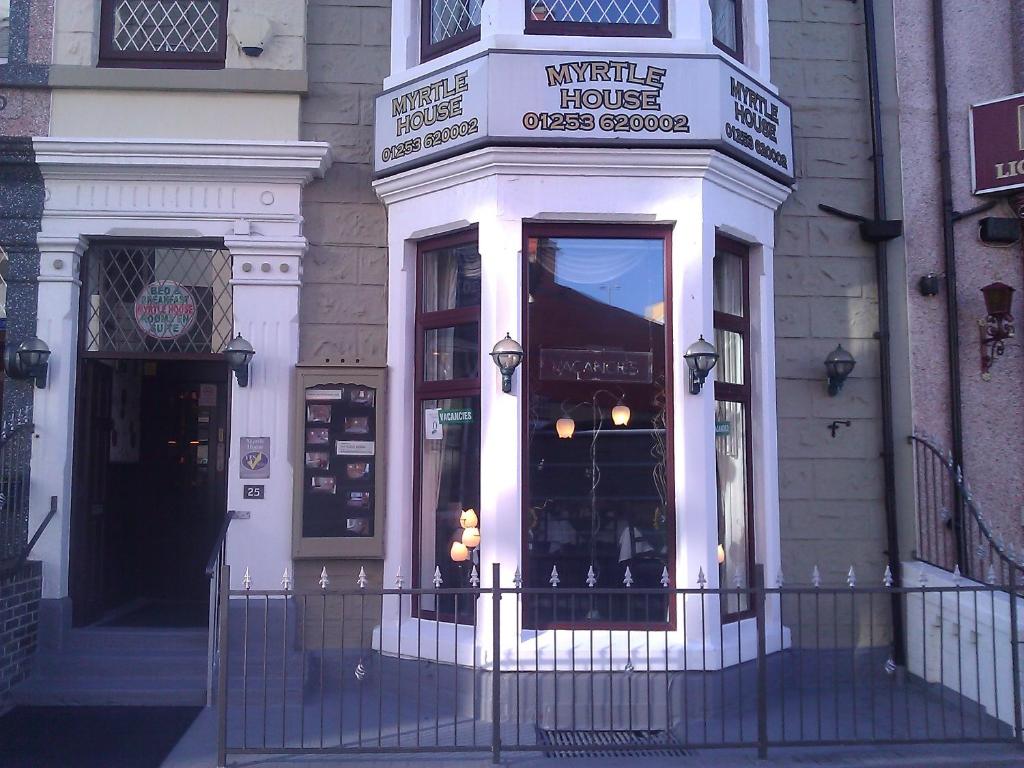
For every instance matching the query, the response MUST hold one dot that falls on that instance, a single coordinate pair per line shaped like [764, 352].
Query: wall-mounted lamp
[507, 355]
[29, 360]
[838, 366]
[997, 326]
[701, 357]
[239, 354]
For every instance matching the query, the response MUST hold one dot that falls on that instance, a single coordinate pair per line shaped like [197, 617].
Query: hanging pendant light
[459, 552]
[620, 414]
[565, 427]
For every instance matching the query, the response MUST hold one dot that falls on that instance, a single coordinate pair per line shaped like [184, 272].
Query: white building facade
[603, 192]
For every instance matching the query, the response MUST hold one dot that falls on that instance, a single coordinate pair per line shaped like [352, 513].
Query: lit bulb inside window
[471, 537]
[721, 554]
[565, 427]
[620, 415]
[469, 519]
[460, 553]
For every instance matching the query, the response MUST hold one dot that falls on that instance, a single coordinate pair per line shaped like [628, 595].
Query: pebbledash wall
[993, 410]
[24, 113]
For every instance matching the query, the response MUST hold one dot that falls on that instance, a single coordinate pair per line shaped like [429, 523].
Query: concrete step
[152, 665]
[108, 691]
[141, 640]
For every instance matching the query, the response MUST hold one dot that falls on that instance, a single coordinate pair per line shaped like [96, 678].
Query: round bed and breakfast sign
[165, 310]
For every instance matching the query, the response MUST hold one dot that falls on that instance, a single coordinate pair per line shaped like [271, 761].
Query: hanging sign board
[165, 310]
[997, 145]
[557, 99]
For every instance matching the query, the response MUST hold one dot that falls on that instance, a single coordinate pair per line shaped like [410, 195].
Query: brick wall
[19, 624]
[832, 511]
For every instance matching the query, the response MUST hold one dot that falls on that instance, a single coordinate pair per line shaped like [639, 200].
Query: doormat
[608, 744]
[91, 737]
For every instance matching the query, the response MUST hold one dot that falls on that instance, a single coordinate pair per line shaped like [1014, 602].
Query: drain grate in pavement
[608, 743]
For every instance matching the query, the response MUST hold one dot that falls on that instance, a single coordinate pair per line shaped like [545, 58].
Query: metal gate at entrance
[302, 672]
[150, 482]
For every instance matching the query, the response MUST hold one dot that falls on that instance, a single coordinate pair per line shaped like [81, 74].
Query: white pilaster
[54, 406]
[265, 283]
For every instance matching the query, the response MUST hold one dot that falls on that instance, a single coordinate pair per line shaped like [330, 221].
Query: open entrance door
[150, 490]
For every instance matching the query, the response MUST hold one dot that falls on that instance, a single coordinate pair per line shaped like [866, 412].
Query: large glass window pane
[451, 353]
[449, 483]
[450, 278]
[731, 467]
[598, 492]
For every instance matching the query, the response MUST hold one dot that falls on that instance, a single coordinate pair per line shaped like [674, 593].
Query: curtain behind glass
[723, 22]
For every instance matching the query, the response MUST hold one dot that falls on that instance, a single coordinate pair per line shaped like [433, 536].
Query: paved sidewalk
[197, 749]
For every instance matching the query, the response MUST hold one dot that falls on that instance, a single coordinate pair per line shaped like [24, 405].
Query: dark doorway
[150, 490]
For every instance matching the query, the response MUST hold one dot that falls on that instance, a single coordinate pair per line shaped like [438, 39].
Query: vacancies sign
[997, 143]
[584, 100]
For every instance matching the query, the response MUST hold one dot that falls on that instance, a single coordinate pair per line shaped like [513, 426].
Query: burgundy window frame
[598, 231]
[435, 390]
[740, 393]
[431, 50]
[736, 53]
[592, 29]
[111, 57]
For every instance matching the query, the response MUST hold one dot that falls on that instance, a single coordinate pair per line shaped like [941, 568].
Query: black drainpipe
[885, 367]
[948, 242]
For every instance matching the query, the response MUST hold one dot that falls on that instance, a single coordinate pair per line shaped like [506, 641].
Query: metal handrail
[14, 563]
[218, 545]
[213, 573]
[941, 481]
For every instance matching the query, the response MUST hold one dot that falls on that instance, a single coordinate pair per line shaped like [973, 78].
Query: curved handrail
[975, 541]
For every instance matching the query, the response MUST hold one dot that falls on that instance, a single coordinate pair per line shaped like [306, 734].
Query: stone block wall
[20, 593]
[343, 312]
[832, 505]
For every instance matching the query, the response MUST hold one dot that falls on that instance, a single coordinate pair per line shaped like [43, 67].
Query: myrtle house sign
[506, 97]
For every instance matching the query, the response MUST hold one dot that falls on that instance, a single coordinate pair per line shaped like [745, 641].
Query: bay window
[598, 499]
[447, 387]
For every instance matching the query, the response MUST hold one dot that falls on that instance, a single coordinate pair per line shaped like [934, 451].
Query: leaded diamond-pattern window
[174, 32]
[619, 17]
[147, 299]
[452, 24]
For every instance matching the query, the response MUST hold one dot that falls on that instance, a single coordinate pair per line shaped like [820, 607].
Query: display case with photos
[339, 505]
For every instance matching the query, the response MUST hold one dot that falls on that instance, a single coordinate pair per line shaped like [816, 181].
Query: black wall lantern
[997, 326]
[838, 365]
[700, 357]
[507, 355]
[29, 360]
[239, 353]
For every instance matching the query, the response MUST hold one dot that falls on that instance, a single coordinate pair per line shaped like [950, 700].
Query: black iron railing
[349, 670]
[953, 533]
[15, 453]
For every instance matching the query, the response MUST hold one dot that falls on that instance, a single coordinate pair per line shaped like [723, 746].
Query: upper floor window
[163, 33]
[447, 25]
[727, 26]
[623, 18]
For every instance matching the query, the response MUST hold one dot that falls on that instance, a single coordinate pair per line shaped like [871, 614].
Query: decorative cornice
[297, 162]
[707, 164]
